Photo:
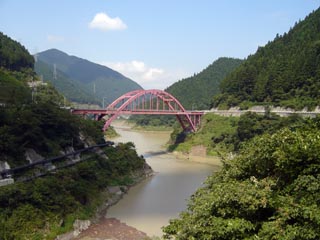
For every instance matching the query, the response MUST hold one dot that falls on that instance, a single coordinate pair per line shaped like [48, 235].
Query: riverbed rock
[124, 189]
[66, 236]
[80, 225]
[111, 229]
[114, 189]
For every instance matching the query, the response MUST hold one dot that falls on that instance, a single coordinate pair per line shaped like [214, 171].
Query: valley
[237, 146]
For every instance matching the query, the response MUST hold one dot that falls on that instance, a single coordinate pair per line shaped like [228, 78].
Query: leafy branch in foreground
[271, 190]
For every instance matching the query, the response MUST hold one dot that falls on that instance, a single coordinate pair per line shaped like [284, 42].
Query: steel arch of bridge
[152, 102]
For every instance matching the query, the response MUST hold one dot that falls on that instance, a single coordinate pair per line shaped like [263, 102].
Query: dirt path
[111, 228]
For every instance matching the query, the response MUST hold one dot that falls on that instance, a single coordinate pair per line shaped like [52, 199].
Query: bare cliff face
[32, 156]
[4, 165]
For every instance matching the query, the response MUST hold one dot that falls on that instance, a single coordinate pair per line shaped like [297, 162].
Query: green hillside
[75, 91]
[285, 72]
[13, 56]
[15, 70]
[196, 91]
[31, 119]
[80, 80]
[269, 190]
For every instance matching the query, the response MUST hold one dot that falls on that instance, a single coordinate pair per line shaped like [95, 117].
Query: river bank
[149, 205]
[196, 154]
[99, 225]
[210, 160]
[111, 228]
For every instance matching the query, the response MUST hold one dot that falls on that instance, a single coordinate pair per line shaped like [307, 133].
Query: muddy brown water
[149, 205]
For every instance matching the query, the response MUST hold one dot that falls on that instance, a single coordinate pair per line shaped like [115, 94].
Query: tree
[269, 191]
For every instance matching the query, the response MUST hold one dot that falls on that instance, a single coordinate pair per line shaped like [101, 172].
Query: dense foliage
[13, 56]
[212, 127]
[12, 89]
[43, 127]
[252, 124]
[271, 190]
[285, 72]
[195, 92]
[47, 206]
[154, 121]
[93, 82]
[222, 135]
[32, 118]
[16, 66]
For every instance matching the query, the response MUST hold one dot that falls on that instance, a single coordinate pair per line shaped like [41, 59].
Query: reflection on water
[149, 205]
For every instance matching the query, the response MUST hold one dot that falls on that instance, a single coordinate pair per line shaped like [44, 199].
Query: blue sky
[153, 42]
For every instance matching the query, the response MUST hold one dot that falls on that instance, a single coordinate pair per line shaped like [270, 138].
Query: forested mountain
[285, 72]
[15, 69]
[30, 114]
[196, 91]
[31, 120]
[72, 89]
[13, 56]
[81, 80]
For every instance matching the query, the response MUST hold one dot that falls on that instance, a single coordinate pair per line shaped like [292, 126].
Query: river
[149, 205]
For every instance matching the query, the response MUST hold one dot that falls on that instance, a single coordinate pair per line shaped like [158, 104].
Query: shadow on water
[179, 139]
[152, 154]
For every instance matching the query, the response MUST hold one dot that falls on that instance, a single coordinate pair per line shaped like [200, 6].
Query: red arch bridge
[148, 102]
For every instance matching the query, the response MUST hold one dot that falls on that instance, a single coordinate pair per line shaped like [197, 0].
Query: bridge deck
[135, 112]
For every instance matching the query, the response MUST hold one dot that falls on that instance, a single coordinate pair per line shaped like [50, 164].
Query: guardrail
[281, 113]
[8, 172]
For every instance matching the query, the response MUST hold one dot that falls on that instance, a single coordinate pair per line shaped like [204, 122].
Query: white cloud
[55, 38]
[152, 73]
[147, 77]
[103, 22]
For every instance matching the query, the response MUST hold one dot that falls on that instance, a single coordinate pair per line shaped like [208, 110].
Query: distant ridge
[80, 80]
[285, 72]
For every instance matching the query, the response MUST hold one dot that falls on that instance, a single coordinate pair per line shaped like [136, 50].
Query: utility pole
[54, 72]
[103, 105]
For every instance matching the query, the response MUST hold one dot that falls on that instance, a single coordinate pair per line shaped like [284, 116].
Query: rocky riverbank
[111, 228]
[100, 227]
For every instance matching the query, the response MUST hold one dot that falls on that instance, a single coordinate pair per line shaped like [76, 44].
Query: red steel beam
[133, 103]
